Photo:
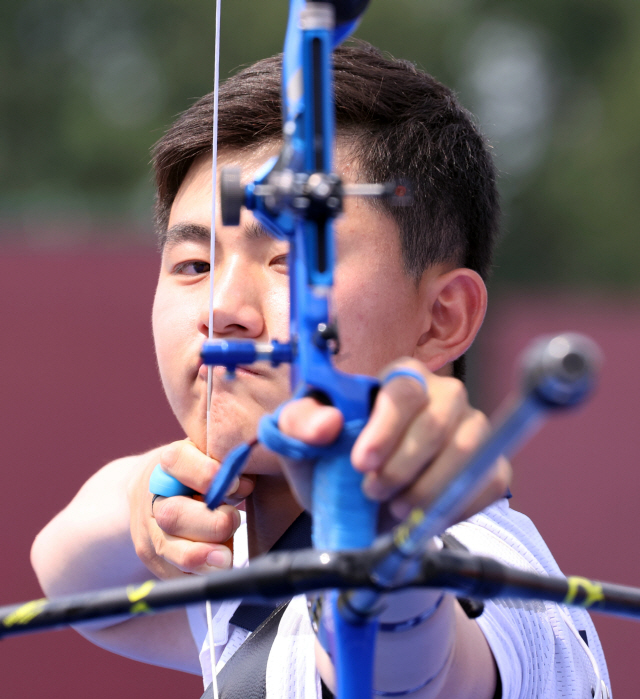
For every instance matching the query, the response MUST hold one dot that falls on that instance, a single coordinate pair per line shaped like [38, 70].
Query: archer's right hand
[180, 534]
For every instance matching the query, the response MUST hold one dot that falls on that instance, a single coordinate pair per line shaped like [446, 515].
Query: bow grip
[343, 517]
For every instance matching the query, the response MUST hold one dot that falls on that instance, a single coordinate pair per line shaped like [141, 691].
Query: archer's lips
[241, 370]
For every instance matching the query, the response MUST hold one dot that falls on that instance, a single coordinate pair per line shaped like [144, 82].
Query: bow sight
[314, 196]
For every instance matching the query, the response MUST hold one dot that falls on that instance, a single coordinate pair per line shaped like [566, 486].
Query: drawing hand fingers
[192, 557]
[185, 462]
[191, 519]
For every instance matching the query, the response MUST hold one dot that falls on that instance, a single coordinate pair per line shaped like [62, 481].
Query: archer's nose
[237, 302]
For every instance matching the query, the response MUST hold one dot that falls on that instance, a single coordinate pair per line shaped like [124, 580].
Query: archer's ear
[456, 305]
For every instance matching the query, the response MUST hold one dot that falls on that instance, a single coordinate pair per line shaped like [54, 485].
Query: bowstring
[212, 249]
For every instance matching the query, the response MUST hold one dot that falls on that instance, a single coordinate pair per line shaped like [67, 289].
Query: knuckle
[167, 514]
[466, 447]
[222, 526]
[431, 424]
[294, 416]
[456, 391]
[472, 434]
[171, 453]
[389, 483]
[181, 560]
[158, 543]
[288, 412]
[407, 390]
[142, 550]
[189, 558]
[481, 424]
[203, 479]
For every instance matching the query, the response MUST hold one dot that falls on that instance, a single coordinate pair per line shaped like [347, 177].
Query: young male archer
[408, 288]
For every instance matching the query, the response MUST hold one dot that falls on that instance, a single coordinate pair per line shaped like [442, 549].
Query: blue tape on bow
[343, 517]
[270, 435]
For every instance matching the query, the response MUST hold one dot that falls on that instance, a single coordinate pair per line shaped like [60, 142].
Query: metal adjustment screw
[324, 192]
[327, 336]
[301, 203]
[319, 185]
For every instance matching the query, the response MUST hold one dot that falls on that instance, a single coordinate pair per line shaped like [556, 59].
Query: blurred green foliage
[88, 86]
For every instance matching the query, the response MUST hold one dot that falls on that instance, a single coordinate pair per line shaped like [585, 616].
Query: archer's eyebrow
[185, 233]
[195, 233]
[254, 231]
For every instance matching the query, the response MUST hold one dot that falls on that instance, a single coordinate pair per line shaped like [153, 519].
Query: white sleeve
[537, 645]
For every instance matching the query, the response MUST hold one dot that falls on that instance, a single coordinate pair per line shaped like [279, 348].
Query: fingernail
[248, 481]
[220, 558]
[234, 486]
[369, 461]
[169, 455]
[372, 488]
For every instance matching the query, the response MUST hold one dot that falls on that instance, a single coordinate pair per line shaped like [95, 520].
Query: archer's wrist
[407, 606]
[414, 655]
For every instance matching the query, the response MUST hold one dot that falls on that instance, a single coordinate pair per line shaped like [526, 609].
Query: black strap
[298, 536]
[245, 674]
[326, 692]
[473, 608]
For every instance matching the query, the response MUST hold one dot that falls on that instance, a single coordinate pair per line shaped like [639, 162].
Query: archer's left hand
[413, 443]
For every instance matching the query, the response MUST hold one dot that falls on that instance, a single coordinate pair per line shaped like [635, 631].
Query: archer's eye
[192, 268]
[280, 264]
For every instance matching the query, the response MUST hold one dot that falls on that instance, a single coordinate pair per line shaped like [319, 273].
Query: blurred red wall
[80, 387]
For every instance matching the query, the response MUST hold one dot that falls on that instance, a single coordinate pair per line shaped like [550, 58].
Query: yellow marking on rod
[402, 532]
[139, 608]
[25, 613]
[593, 591]
[416, 516]
[136, 595]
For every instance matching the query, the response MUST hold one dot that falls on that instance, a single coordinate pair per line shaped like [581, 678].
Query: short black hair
[398, 123]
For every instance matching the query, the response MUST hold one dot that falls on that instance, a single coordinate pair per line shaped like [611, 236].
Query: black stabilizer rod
[482, 577]
[276, 575]
[282, 575]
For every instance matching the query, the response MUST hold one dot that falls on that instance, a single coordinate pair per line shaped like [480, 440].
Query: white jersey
[539, 647]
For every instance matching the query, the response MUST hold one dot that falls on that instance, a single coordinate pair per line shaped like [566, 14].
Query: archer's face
[377, 306]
